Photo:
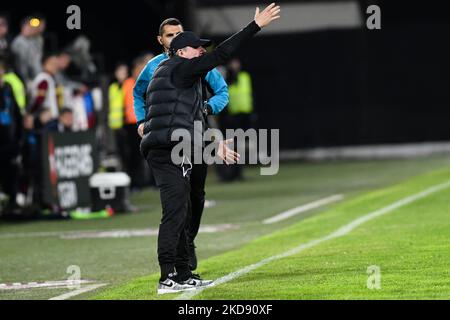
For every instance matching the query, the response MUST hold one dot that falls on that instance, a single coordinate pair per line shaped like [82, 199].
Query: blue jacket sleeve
[140, 89]
[217, 83]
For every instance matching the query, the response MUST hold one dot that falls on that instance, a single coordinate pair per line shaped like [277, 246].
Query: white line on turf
[45, 284]
[77, 292]
[344, 230]
[140, 232]
[40, 234]
[306, 207]
[115, 233]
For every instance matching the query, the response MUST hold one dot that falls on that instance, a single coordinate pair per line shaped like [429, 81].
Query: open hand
[269, 14]
[227, 154]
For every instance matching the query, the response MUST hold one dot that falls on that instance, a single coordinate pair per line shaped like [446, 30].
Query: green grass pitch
[409, 245]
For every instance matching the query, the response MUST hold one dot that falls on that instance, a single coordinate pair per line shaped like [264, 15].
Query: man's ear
[159, 40]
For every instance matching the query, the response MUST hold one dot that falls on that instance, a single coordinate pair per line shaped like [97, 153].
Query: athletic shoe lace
[196, 276]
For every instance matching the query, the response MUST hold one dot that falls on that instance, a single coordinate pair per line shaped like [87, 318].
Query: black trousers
[9, 172]
[244, 121]
[127, 142]
[197, 200]
[174, 184]
[134, 163]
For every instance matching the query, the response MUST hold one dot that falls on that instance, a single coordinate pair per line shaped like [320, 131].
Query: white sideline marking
[306, 207]
[79, 234]
[78, 291]
[139, 232]
[45, 284]
[40, 234]
[338, 233]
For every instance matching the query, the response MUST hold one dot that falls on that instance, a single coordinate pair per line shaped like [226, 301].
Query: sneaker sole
[205, 285]
[164, 291]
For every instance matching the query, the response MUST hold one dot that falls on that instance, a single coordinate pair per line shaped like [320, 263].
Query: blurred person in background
[62, 79]
[20, 95]
[146, 57]
[239, 113]
[35, 126]
[72, 93]
[83, 61]
[28, 47]
[43, 88]
[212, 82]
[64, 123]
[5, 41]
[240, 107]
[116, 114]
[134, 164]
[83, 100]
[18, 87]
[11, 129]
[42, 108]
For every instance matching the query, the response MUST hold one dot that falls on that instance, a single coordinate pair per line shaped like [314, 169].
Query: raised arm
[222, 53]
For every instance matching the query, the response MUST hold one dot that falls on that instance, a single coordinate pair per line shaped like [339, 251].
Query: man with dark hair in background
[215, 84]
[64, 123]
[43, 88]
[42, 108]
[28, 47]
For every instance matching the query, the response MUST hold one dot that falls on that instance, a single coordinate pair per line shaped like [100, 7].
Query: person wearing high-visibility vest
[116, 98]
[11, 131]
[239, 110]
[134, 163]
[18, 89]
[240, 92]
[116, 117]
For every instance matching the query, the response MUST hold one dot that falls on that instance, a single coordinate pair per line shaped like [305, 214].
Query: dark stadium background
[322, 88]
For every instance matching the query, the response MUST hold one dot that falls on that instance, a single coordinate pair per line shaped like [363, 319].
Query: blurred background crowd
[62, 90]
[329, 83]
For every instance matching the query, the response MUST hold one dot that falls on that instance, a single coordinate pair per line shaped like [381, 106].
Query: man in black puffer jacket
[175, 101]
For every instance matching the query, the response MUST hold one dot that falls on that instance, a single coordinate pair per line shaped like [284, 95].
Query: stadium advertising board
[69, 159]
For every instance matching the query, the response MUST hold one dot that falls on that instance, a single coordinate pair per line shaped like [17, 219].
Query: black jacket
[174, 95]
[170, 108]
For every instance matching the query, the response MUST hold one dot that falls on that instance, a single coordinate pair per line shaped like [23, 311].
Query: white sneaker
[198, 282]
[170, 286]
